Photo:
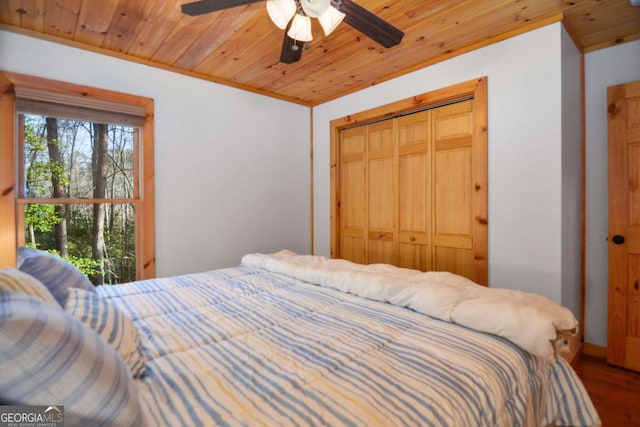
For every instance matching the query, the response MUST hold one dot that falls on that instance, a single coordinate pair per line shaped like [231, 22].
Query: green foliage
[41, 217]
[88, 266]
[31, 136]
[71, 168]
[57, 169]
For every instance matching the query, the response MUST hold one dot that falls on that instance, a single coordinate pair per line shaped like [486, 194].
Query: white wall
[525, 155]
[232, 167]
[571, 173]
[603, 68]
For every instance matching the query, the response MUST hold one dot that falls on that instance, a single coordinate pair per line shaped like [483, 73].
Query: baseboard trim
[594, 350]
[575, 347]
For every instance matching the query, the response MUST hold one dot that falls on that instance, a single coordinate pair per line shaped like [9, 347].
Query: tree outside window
[77, 176]
[77, 160]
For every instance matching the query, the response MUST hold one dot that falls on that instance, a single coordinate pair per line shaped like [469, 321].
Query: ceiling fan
[293, 16]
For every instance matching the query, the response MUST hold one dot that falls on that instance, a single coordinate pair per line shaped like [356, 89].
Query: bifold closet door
[381, 193]
[409, 183]
[353, 232]
[406, 191]
[452, 224]
[414, 191]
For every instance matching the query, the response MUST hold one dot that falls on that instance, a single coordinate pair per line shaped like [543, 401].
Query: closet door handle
[412, 239]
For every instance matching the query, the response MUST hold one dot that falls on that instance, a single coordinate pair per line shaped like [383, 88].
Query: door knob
[618, 239]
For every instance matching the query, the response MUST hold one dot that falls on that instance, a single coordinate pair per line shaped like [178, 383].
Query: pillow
[49, 358]
[17, 281]
[54, 272]
[115, 326]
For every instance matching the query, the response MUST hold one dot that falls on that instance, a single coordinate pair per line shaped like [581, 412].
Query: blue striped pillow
[18, 281]
[49, 358]
[112, 324]
[54, 272]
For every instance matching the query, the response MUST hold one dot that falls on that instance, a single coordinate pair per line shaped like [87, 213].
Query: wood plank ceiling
[241, 46]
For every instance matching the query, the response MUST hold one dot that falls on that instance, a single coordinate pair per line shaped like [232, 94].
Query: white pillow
[12, 279]
[115, 326]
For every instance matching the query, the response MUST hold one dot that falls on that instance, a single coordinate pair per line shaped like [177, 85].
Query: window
[76, 176]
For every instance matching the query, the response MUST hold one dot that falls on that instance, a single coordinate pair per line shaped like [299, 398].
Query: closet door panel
[454, 120]
[453, 189]
[455, 260]
[382, 251]
[414, 256]
[453, 202]
[352, 195]
[381, 193]
[380, 137]
[352, 249]
[414, 191]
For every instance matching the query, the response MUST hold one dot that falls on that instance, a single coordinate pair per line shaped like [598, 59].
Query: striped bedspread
[244, 346]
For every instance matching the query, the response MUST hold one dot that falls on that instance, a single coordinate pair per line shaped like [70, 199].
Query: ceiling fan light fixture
[300, 28]
[281, 11]
[315, 8]
[330, 19]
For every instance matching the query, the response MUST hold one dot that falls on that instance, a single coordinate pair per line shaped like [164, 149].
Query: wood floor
[615, 392]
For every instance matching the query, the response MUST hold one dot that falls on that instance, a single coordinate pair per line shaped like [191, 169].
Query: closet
[411, 190]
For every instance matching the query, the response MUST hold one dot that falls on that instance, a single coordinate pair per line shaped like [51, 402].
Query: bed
[292, 340]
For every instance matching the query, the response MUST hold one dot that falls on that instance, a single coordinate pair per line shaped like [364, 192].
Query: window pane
[104, 249]
[78, 159]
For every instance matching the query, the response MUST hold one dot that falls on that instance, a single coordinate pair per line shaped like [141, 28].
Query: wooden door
[381, 190]
[453, 189]
[414, 191]
[623, 346]
[352, 189]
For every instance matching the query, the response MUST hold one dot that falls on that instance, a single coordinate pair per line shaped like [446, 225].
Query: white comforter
[528, 320]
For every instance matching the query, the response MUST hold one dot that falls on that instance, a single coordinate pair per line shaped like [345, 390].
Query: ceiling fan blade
[205, 6]
[370, 24]
[289, 53]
